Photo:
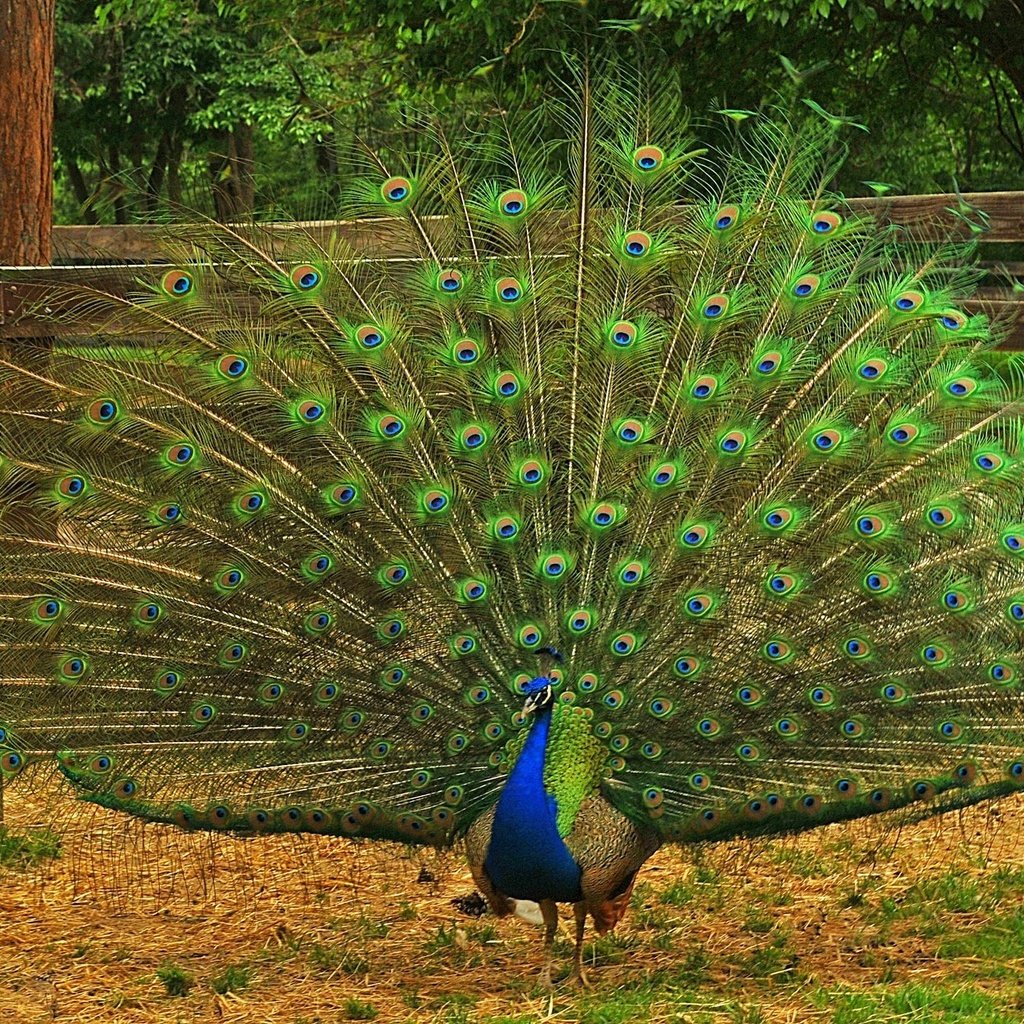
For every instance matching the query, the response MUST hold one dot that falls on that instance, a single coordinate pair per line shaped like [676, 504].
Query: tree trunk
[26, 131]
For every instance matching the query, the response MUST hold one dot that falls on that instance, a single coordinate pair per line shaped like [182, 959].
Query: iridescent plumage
[287, 557]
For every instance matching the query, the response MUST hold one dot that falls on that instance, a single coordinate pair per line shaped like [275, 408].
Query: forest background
[231, 106]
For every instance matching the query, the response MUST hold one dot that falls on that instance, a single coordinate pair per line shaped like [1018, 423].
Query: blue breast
[527, 858]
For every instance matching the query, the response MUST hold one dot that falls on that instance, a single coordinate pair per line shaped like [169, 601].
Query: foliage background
[234, 105]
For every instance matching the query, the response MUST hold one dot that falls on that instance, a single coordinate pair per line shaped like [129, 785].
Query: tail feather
[284, 558]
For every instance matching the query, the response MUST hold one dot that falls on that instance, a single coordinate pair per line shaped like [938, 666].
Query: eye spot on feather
[1012, 540]
[391, 629]
[870, 526]
[513, 203]
[71, 669]
[270, 693]
[625, 644]
[699, 782]
[148, 613]
[370, 336]
[251, 502]
[631, 574]
[1015, 611]
[554, 566]
[877, 582]
[310, 411]
[989, 462]
[473, 591]
[450, 282]
[506, 385]
[465, 352]
[704, 387]
[715, 307]
[934, 654]
[767, 364]
[806, 286]
[630, 431]
[648, 158]
[827, 440]
[907, 301]
[530, 636]
[750, 696]
[779, 518]
[822, 697]
[168, 513]
[325, 693]
[777, 650]
[73, 486]
[950, 730]
[1002, 673]
[636, 244]
[951, 320]
[781, 584]
[103, 411]
[396, 190]
[961, 387]
[176, 284]
[698, 605]
[393, 676]
[872, 369]
[725, 217]
[903, 433]
[709, 727]
[180, 454]
[622, 334]
[733, 442]
[168, 681]
[343, 494]
[305, 278]
[233, 367]
[390, 427]
[318, 565]
[203, 713]
[940, 516]
[825, 222]
[663, 475]
[694, 535]
[895, 693]
[748, 752]
[686, 665]
[508, 290]
[603, 515]
[434, 501]
[531, 472]
[504, 528]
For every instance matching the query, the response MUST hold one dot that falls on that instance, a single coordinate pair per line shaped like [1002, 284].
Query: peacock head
[539, 695]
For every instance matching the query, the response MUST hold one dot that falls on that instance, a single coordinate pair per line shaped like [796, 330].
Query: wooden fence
[994, 219]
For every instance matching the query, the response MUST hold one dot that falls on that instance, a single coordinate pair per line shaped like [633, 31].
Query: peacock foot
[577, 978]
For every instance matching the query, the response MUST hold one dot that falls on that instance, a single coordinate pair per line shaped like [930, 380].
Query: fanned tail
[285, 557]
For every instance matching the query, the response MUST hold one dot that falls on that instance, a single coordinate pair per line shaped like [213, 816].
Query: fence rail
[994, 219]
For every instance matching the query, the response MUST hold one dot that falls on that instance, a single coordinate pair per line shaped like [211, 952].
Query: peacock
[589, 488]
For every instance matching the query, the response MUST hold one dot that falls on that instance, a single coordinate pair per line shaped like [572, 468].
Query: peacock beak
[537, 700]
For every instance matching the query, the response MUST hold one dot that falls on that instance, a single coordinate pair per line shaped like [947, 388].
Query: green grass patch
[921, 1004]
[235, 978]
[357, 1009]
[26, 851]
[176, 980]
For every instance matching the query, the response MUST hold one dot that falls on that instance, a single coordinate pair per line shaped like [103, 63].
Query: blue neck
[527, 858]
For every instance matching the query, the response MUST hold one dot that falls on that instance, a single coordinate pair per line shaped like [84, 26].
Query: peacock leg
[549, 910]
[577, 976]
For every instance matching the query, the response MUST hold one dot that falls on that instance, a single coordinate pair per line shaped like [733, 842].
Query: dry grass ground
[849, 925]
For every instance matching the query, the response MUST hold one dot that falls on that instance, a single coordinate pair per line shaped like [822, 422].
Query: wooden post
[26, 131]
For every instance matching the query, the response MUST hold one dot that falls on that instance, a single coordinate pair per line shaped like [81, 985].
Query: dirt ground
[136, 923]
